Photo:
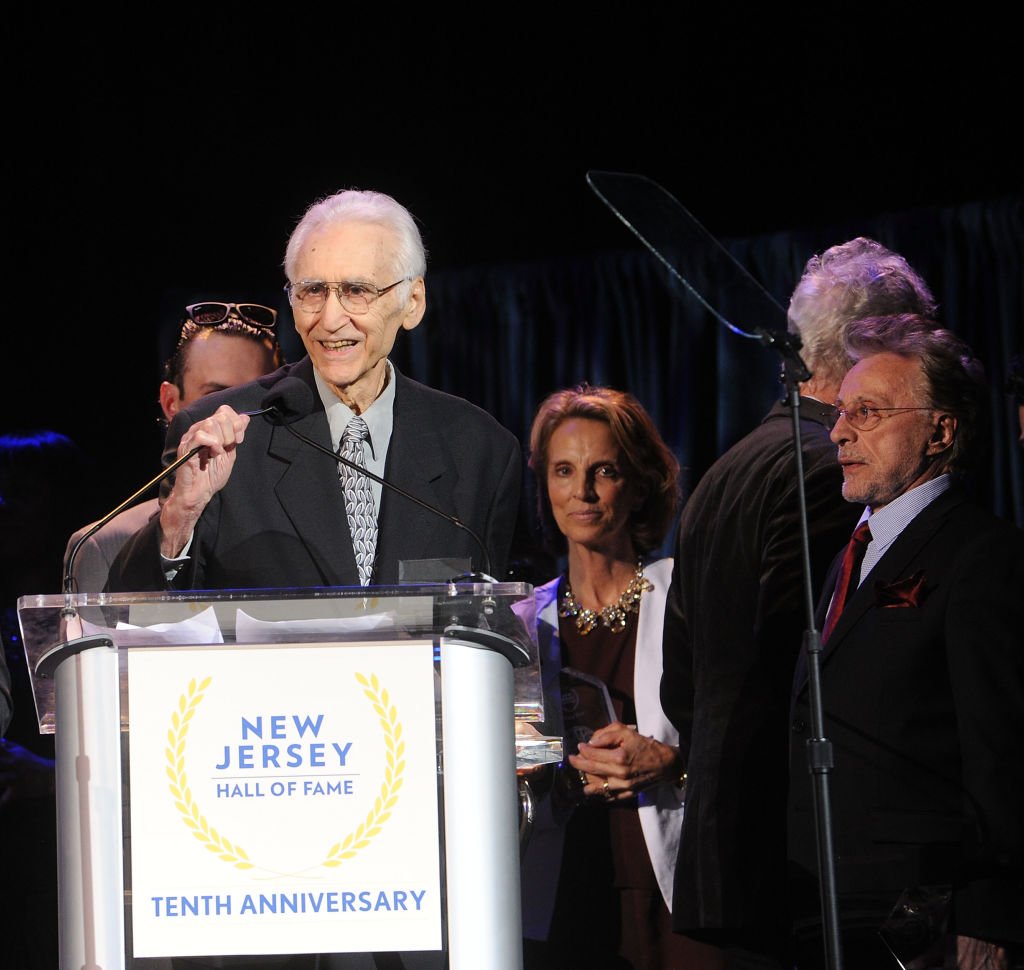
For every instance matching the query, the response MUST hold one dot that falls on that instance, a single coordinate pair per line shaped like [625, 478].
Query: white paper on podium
[284, 799]
[202, 628]
[249, 629]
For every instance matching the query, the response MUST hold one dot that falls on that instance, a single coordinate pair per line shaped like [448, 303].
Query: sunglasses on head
[213, 314]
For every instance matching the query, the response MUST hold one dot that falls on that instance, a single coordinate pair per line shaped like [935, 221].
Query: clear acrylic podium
[289, 771]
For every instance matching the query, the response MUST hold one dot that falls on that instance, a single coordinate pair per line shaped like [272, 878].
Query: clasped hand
[202, 476]
[618, 762]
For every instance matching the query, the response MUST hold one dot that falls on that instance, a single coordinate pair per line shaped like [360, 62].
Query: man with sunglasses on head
[219, 345]
[922, 675]
[258, 507]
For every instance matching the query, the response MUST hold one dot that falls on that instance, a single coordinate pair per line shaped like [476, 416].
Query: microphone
[291, 399]
[287, 401]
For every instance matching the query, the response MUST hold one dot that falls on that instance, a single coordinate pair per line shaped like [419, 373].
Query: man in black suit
[922, 674]
[735, 620]
[259, 508]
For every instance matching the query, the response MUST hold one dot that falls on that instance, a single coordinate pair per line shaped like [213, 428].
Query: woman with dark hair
[597, 869]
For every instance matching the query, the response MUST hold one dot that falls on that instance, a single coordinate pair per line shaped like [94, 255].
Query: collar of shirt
[379, 418]
[888, 522]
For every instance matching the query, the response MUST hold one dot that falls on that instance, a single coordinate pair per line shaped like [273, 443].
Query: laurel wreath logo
[393, 771]
[234, 854]
[180, 790]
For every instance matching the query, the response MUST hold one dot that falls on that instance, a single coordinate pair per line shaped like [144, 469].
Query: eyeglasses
[311, 295]
[213, 314]
[862, 417]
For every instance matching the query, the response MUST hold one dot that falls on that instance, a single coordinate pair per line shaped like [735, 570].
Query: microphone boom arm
[69, 578]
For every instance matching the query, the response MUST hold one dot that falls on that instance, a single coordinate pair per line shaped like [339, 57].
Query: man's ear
[170, 399]
[416, 305]
[943, 435]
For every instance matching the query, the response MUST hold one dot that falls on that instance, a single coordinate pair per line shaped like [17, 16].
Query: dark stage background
[153, 164]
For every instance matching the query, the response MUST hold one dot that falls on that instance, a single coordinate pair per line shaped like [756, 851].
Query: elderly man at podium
[267, 496]
[260, 505]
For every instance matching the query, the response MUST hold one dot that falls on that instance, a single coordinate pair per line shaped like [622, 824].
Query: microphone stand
[69, 578]
[819, 748]
[659, 211]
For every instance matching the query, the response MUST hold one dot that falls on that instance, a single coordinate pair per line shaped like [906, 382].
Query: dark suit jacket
[924, 706]
[280, 519]
[92, 562]
[734, 626]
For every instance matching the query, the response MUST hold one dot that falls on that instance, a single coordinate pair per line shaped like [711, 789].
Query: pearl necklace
[614, 616]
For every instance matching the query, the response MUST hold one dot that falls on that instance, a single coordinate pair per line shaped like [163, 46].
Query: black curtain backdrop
[504, 336]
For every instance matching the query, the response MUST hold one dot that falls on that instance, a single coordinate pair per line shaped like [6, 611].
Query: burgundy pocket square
[903, 592]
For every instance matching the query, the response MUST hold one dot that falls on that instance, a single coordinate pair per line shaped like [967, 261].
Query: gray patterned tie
[362, 520]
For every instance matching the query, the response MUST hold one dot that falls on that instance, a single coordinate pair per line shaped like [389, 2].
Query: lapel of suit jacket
[549, 648]
[648, 665]
[310, 493]
[892, 565]
[417, 462]
[886, 570]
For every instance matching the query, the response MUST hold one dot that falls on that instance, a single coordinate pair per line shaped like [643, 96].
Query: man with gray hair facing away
[259, 507]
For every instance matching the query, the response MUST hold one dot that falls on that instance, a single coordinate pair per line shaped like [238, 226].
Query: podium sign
[272, 813]
[279, 772]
